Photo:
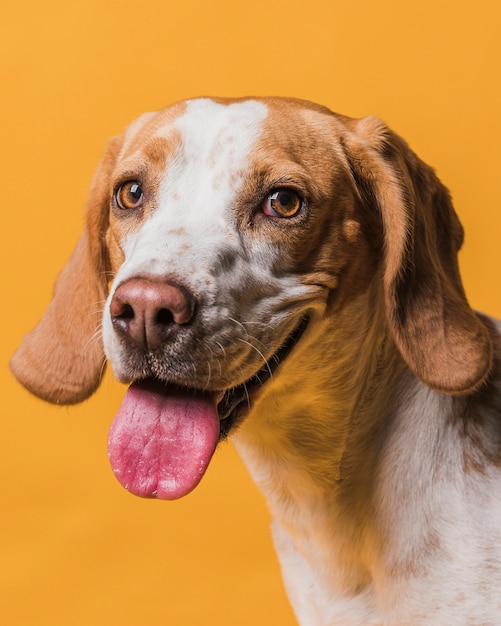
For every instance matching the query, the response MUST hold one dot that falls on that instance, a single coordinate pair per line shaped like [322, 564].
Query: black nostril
[122, 316]
[127, 312]
[165, 317]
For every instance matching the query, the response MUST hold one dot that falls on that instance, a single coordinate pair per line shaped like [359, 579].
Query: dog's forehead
[212, 149]
[207, 128]
[216, 140]
[210, 124]
[198, 127]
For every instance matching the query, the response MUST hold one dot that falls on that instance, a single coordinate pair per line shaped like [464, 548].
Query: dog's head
[216, 232]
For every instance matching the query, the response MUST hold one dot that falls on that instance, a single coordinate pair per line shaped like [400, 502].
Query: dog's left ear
[62, 359]
[437, 333]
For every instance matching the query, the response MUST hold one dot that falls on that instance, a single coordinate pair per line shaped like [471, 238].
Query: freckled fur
[377, 442]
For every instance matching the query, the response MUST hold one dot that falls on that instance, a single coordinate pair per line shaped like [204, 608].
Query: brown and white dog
[272, 271]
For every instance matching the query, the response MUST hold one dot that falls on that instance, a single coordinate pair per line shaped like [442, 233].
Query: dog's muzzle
[163, 436]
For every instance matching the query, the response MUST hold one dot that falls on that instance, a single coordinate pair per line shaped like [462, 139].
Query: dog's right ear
[62, 359]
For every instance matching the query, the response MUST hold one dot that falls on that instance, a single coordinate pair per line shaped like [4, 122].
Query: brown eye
[129, 195]
[282, 203]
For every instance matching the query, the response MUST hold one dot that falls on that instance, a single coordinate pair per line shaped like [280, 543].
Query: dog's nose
[150, 311]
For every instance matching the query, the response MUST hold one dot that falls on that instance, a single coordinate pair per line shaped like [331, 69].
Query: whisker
[209, 367]
[223, 352]
[103, 365]
[209, 376]
[247, 397]
[243, 324]
[265, 360]
[232, 319]
[93, 338]
[252, 338]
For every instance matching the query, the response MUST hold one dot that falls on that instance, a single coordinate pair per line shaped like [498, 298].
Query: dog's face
[224, 203]
[230, 230]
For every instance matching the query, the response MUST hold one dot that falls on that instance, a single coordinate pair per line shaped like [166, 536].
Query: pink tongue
[162, 439]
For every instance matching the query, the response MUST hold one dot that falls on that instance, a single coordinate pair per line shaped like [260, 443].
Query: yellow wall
[75, 548]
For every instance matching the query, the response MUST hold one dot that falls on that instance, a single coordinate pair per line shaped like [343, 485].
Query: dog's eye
[282, 203]
[129, 195]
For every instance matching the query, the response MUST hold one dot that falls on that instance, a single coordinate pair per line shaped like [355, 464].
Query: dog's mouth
[163, 436]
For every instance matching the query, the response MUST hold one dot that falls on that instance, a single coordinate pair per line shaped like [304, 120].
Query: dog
[273, 272]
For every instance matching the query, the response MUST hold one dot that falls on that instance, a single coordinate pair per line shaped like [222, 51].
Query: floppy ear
[439, 336]
[62, 359]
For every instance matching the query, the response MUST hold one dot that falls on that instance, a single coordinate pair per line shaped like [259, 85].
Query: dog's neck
[312, 439]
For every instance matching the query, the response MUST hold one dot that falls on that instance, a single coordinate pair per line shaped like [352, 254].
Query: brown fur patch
[335, 243]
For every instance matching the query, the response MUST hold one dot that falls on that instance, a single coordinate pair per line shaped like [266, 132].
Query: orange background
[75, 548]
